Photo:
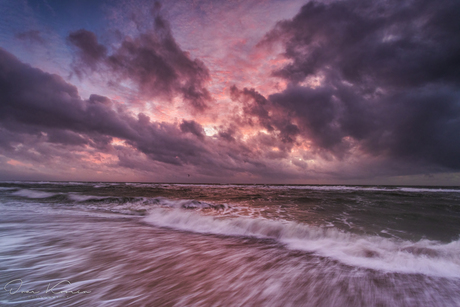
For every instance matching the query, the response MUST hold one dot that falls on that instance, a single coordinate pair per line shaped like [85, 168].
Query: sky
[261, 91]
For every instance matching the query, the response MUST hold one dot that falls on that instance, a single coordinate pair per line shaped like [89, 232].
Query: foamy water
[389, 255]
[32, 194]
[202, 245]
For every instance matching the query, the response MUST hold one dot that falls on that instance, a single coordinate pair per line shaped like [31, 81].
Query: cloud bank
[390, 74]
[368, 89]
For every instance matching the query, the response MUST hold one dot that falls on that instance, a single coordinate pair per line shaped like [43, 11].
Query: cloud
[90, 52]
[151, 59]
[193, 127]
[364, 89]
[386, 43]
[258, 111]
[44, 121]
[37, 103]
[390, 77]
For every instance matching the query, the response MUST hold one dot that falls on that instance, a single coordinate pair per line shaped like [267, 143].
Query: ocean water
[139, 244]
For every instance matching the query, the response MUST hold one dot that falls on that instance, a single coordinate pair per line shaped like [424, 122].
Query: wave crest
[33, 194]
[423, 257]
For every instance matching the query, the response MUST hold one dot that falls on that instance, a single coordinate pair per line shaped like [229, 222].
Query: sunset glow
[230, 91]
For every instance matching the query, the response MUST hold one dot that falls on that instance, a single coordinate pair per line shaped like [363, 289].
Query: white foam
[430, 190]
[33, 194]
[310, 187]
[81, 198]
[48, 182]
[373, 252]
[6, 189]
[367, 188]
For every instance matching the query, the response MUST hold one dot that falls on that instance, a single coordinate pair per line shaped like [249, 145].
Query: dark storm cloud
[391, 77]
[192, 127]
[327, 114]
[268, 115]
[375, 43]
[33, 102]
[228, 134]
[66, 137]
[152, 59]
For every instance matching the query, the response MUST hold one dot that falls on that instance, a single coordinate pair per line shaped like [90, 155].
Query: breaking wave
[423, 257]
[33, 194]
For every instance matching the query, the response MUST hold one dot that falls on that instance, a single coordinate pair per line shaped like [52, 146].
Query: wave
[188, 204]
[7, 189]
[423, 257]
[338, 188]
[305, 187]
[386, 254]
[83, 198]
[33, 194]
[160, 201]
[48, 182]
[124, 204]
[369, 188]
[430, 190]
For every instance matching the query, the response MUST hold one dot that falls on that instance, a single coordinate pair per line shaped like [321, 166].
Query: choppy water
[135, 244]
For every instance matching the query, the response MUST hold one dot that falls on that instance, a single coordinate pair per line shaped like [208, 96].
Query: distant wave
[369, 188]
[33, 194]
[307, 187]
[82, 198]
[63, 183]
[431, 190]
[250, 186]
[423, 257]
[7, 189]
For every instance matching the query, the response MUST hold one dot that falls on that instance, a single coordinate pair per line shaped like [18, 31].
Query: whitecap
[373, 252]
[33, 194]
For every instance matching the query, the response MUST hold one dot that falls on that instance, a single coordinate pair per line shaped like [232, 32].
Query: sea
[159, 244]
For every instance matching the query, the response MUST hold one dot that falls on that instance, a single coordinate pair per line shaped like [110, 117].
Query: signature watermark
[61, 288]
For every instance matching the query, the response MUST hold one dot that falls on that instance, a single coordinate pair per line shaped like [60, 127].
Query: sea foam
[423, 257]
[33, 194]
